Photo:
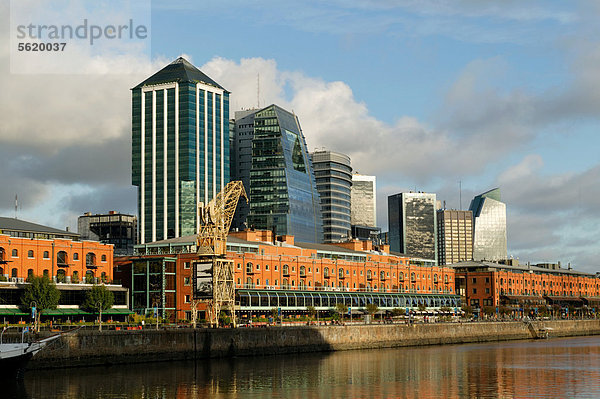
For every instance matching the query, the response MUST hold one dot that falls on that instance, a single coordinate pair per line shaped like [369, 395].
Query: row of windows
[61, 275]
[61, 256]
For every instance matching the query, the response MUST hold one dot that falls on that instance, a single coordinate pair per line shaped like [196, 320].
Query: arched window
[302, 271]
[382, 275]
[284, 283]
[267, 282]
[368, 274]
[29, 274]
[60, 276]
[89, 277]
[61, 259]
[326, 272]
[249, 268]
[103, 277]
[46, 273]
[76, 256]
[30, 253]
[46, 255]
[435, 279]
[285, 269]
[13, 272]
[15, 253]
[75, 277]
[341, 273]
[90, 259]
[445, 278]
[401, 276]
[412, 277]
[302, 284]
[103, 258]
[249, 282]
[1, 253]
[1, 270]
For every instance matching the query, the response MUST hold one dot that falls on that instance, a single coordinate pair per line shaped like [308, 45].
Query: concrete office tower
[180, 148]
[489, 226]
[364, 201]
[412, 224]
[455, 236]
[279, 179]
[112, 228]
[333, 173]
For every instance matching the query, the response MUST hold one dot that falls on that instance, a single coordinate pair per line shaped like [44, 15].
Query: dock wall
[87, 348]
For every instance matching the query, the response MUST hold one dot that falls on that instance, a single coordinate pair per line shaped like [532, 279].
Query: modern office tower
[333, 174]
[364, 201]
[455, 236]
[489, 226]
[180, 148]
[112, 228]
[241, 135]
[412, 224]
[280, 180]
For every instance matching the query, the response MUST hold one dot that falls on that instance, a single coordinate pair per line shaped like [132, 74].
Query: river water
[554, 368]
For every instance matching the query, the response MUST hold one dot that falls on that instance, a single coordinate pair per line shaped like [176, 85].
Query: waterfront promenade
[86, 348]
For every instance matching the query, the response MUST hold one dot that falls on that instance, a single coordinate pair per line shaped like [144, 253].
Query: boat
[14, 356]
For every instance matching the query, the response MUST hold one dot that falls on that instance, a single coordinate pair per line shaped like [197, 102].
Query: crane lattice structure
[214, 221]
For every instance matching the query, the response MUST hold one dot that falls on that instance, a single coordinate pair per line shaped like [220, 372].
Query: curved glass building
[281, 184]
[489, 226]
[334, 182]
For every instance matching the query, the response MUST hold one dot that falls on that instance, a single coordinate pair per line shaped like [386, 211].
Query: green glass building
[180, 148]
[272, 160]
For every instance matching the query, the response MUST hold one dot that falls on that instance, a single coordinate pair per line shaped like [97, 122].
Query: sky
[427, 95]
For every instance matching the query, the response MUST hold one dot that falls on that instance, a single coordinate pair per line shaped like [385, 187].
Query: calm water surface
[555, 368]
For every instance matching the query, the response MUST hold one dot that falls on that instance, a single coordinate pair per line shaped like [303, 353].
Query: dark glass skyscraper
[180, 148]
[280, 176]
[412, 224]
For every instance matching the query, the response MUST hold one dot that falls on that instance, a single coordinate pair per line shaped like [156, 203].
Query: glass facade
[412, 223]
[489, 227]
[333, 174]
[455, 236]
[180, 148]
[281, 182]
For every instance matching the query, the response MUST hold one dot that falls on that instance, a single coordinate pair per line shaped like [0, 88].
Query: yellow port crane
[213, 273]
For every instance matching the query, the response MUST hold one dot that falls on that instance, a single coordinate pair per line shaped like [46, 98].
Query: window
[326, 272]
[186, 299]
[266, 267]
[90, 259]
[61, 258]
[30, 254]
[341, 273]
[302, 271]
[60, 276]
[46, 255]
[186, 281]
[249, 268]
[76, 256]
[186, 265]
[1, 253]
[15, 253]
[474, 280]
[474, 290]
[103, 258]
[14, 272]
[239, 266]
[29, 274]
[285, 269]
[75, 278]
[46, 273]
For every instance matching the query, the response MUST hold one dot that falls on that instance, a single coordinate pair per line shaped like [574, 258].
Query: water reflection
[523, 369]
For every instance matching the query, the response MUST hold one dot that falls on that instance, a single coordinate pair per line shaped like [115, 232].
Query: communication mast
[213, 273]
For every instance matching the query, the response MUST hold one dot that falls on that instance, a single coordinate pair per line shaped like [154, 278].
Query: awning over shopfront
[13, 312]
[523, 299]
[574, 300]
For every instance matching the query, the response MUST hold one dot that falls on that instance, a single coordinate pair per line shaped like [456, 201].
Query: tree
[422, 307]
[341, 308]
[312, 311]
[468, 311]
[371, 308]
[41, 293]
[489, 310]
[98, 298]
[398, 312]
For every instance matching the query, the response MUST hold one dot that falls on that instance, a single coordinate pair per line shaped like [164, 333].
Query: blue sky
[422, 94]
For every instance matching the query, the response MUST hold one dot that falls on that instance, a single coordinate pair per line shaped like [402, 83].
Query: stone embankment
[87, 348]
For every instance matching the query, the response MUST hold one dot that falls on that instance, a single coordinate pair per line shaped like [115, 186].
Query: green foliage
[422, 307]
[371, 308]
[41, 291]
[468, 310]
[398, 312]
[98, 298]
[274, 313]
[311, 310]
[489, 310]
[341, 308]
[446, 309]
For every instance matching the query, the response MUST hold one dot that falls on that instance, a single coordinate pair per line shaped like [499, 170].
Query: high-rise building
[111, 228]
[455, 236]
[333, 173]
[279, 178]
[180, 148]
[412, 224]
[364, 201]
[489, 226]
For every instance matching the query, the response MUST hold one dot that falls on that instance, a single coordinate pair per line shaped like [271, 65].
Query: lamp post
[99, 305]
[155, 306]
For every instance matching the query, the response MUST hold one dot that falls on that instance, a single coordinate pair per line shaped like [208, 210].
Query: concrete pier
[88, 348]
